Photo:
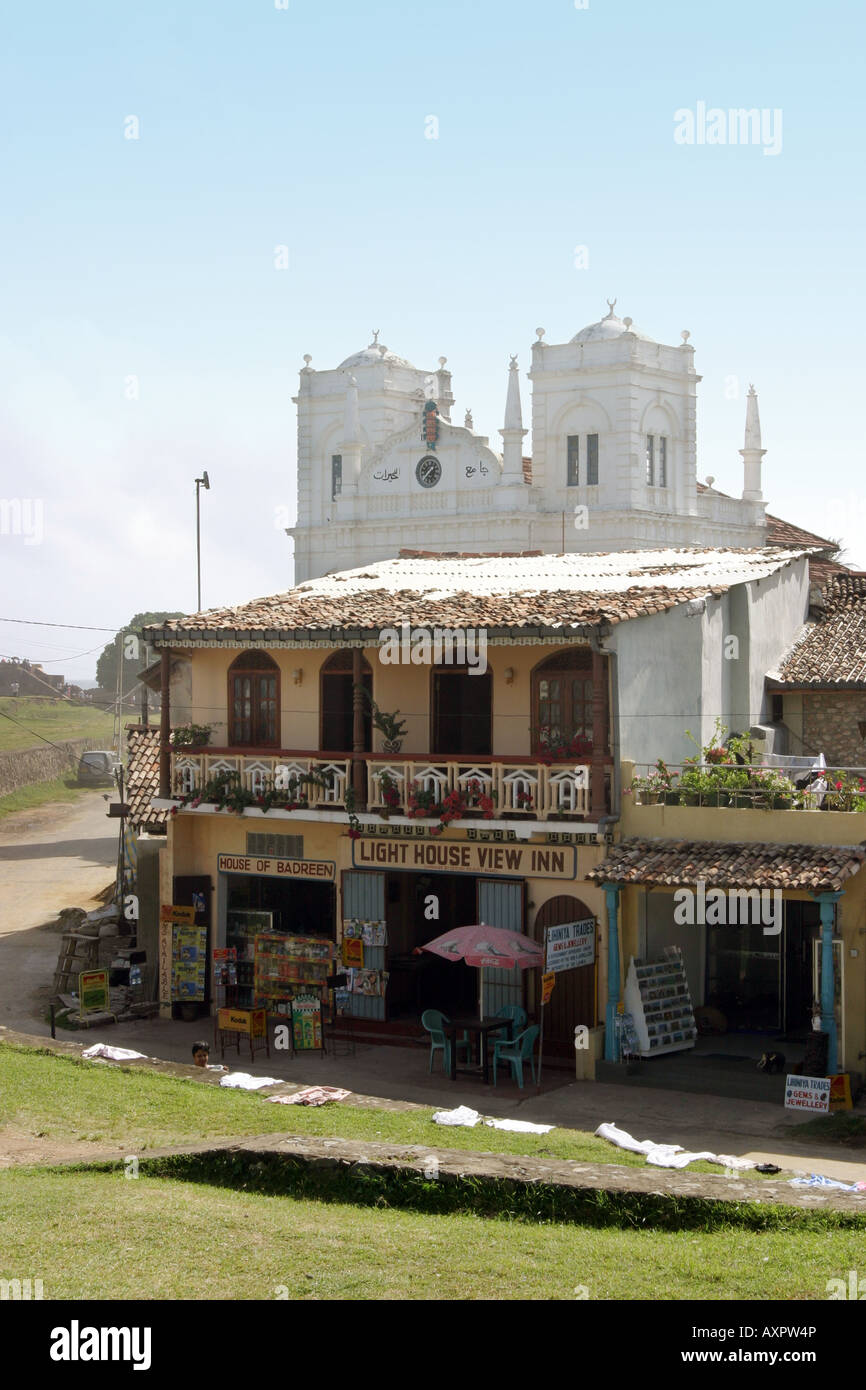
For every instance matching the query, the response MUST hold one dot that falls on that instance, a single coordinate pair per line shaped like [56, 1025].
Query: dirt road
[58, 855]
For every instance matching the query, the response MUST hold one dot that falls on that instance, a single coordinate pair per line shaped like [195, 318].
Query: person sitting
[200, 1056]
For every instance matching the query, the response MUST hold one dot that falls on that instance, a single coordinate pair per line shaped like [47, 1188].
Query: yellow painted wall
[395, 687]
[195, 839]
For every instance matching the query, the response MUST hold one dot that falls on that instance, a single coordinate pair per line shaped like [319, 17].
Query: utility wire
[80, 627]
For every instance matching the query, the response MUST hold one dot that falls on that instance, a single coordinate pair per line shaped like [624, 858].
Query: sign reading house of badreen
[570, 945]
[807, 1093]
[277, 868]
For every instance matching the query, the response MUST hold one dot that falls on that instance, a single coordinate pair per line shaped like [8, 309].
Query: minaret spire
[512, 431]
[752, 453]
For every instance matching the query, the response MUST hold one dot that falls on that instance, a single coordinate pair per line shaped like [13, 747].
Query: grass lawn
[54, 719]
[39, 793]
[842, 1127]
[65, 1099]
[154, 1238]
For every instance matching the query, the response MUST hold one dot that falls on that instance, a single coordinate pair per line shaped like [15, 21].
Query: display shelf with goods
[188, 963]
[657, 998]
[242, 928]
[289, 966]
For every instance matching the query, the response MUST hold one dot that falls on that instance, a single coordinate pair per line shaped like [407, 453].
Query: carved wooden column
[597, 802]
[165, 725]
[359, 781]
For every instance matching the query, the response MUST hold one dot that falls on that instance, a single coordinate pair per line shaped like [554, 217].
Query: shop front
[755, 942]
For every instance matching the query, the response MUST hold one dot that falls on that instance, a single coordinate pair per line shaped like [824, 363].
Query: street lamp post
[204, 482]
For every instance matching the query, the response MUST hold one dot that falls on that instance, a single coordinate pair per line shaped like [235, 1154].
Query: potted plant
[191, 735]
[392, 728]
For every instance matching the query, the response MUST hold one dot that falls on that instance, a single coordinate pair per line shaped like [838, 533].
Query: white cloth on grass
[114, 1054]
[242, 1081]
[520, 1126]
[461, 1116]
[667, 1155]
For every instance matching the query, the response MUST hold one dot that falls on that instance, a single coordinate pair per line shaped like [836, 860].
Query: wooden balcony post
[359, 783]
[165, 725]
[597, 803]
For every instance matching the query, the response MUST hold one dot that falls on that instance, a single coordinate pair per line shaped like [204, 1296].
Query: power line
[79, 627]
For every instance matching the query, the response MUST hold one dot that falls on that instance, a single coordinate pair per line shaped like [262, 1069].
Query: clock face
[428, 471]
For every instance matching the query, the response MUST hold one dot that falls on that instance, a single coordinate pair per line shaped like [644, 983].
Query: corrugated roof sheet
[550, 592]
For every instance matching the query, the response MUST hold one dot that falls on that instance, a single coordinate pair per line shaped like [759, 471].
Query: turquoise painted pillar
[611, 894]
[827, 902]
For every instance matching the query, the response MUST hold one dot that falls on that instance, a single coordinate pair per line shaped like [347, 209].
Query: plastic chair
[518, 1016]
[517, 1053]
[434, 1021]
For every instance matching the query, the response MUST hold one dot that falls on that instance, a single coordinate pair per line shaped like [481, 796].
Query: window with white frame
[656, 460]
[590, 460]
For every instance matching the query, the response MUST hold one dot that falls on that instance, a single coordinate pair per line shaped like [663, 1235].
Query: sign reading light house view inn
[524, 861]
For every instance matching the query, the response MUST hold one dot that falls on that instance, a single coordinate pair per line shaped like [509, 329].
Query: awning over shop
[812, 868]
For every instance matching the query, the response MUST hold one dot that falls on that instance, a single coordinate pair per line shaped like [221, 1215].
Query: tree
[128, 645]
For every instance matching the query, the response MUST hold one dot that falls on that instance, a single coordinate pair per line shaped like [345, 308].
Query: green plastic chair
[434, 1021]
[516, 1053]
[518, 1016]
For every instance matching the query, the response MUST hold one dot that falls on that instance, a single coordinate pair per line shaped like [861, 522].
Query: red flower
[354, 834]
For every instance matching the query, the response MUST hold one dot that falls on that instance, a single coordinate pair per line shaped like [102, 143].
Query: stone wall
[21, 767]
[830, 719]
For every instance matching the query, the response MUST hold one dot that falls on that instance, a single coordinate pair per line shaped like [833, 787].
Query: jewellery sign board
[570, 945]
[808, 1093]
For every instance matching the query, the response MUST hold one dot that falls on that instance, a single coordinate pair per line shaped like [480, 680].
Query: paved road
[58, 855]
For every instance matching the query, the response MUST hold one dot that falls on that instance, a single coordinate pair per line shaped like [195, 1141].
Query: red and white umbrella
[485, 946]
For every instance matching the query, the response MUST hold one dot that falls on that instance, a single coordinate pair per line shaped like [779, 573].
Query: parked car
[97, 768]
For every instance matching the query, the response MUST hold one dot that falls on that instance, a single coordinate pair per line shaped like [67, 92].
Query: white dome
[373, 353]
[608, 327]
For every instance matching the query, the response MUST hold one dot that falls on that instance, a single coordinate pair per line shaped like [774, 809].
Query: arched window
[562, 703]
[254, 701]
[336, 703]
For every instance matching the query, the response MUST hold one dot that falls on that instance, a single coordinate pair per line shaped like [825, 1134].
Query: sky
[431, 170]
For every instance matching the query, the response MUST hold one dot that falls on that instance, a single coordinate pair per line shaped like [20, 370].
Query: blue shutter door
[364, 897]
[500, 904]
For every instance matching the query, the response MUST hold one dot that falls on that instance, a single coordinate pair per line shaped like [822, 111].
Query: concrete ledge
[456, 1164]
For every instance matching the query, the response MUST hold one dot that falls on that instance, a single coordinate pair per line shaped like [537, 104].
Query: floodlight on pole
[202, 482]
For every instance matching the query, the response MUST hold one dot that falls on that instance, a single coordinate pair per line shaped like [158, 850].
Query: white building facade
[382, 466]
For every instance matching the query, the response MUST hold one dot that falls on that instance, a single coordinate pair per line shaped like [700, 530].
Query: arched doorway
[336, 704]
[574, 999]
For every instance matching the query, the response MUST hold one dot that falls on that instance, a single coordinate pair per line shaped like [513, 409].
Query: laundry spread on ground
[816, 1180]
[114, 1054]
[468, 1118]
[667, 1155]
[242, 1081]
[520, 1126]
[312, 1095]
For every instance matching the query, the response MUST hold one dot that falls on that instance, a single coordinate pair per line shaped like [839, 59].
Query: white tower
[752, 453]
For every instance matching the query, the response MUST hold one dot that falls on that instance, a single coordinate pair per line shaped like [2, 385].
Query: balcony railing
[512, 788]
[751, 785]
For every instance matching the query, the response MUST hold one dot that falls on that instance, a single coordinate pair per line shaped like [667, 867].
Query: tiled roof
[781, 532]
[682, 863]
[142, 779]
[554, 593]
[832, 651]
